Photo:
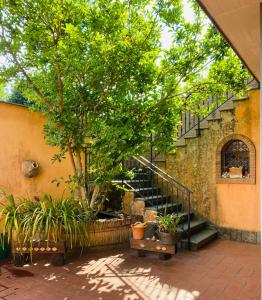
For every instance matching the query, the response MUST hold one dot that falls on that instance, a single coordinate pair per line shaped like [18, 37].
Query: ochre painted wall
[238, 204]
[227, 205]
[21, 138]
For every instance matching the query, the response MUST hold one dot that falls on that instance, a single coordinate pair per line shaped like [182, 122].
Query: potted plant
[48, 219]
[138, 230]
[167, 226]
[55, 220]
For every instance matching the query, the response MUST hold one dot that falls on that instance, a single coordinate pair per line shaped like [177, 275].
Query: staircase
[162, 192]
[192, 125]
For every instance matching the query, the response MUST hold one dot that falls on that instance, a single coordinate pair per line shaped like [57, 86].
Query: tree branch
[36, 89]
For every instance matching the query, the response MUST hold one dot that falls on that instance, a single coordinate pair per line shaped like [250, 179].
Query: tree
[99, 73]
[3, 93]
[18, 98]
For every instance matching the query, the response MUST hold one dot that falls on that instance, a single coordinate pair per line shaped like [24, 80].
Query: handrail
[142, 158]
[164, 191]
[183, 129]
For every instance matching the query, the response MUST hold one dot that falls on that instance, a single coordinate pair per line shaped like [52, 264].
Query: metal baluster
[162, 191]
[189, 118]
[198, 125]
[157, 193]
[181, 126]
[188, 219]
[177, 201]
[170, 191]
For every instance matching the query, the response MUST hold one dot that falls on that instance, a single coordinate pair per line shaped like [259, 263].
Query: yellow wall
[227, 205]
[238, 204]
[21, 138]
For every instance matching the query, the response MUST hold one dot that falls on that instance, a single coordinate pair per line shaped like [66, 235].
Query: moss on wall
[195, 166]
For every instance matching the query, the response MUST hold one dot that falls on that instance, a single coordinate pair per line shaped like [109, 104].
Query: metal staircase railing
[159, 188]
[191, 121]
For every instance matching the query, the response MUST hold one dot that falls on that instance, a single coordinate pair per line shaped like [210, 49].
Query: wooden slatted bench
[21, 252]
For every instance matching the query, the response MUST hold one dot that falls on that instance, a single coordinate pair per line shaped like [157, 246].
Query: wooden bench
[165, 251]
[21, 252]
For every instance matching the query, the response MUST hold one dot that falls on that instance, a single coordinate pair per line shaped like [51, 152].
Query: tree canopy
[98, 71]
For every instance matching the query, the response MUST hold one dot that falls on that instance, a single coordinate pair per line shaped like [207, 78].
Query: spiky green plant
[168, 222]
[46, 219]
[9, 216]
[54, 219]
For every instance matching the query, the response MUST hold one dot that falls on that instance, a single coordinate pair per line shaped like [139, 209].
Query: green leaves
[47, 219]
[98, 71]
[168, 222]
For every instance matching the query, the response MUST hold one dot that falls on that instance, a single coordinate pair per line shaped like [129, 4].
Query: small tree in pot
[167, 225]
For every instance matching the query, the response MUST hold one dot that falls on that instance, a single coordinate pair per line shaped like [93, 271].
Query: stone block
[258, 237]
[139, 207]
[150, 215]
[236, 235]
[224, 233]
[249, 237]
[128, 199]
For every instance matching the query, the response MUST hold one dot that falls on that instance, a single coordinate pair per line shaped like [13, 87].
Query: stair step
[180, 143]
[170, 207]
[135, 183]
[137, 176]
[215, 115]
[155, 199]
[160, 158]
[228, 105]
[201, 238]
[147, 191]
[195, 226]
[191, 134]
[184, 216]
[246, 97]
[204, 124]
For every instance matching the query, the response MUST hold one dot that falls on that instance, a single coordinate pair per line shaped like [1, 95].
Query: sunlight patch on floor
[108, 274]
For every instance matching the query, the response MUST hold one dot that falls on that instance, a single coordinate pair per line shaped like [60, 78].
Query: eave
[239, 23]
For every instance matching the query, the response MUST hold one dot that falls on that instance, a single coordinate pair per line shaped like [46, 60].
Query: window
[235, 160]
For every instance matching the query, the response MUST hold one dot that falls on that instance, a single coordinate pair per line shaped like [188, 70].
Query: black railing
[191, 121]
[159, 189]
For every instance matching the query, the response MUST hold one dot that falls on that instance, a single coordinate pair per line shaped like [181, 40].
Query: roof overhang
[239, 22]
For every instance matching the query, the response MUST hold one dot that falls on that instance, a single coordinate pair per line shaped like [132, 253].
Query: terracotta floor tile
[223, 270]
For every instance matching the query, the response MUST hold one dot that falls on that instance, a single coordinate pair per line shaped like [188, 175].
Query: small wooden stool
[165, 251]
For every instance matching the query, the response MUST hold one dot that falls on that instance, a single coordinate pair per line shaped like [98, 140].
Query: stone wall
[233, 234]
[228, 205]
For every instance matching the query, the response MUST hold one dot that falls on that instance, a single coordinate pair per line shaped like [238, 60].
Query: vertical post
[151, 148]
[188, 221]
[151, 172]
[198, 126]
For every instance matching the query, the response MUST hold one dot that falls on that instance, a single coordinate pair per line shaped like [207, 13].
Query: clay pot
[138, 230]
[167, 238]
[30, 168]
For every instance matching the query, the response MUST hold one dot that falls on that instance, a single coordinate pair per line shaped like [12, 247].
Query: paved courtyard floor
[223, 270]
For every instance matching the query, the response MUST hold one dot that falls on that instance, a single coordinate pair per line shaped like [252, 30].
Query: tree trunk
[79, 170]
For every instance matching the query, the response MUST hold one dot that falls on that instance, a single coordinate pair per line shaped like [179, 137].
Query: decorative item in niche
[235, 172]
[30, 168]
[235, 160]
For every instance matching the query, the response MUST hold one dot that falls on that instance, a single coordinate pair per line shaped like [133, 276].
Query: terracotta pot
[167, 238]
[138, 232]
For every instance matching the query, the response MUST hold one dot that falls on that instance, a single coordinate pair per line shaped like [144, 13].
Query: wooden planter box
[109, 232]
[102, 232]
[21, 252]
